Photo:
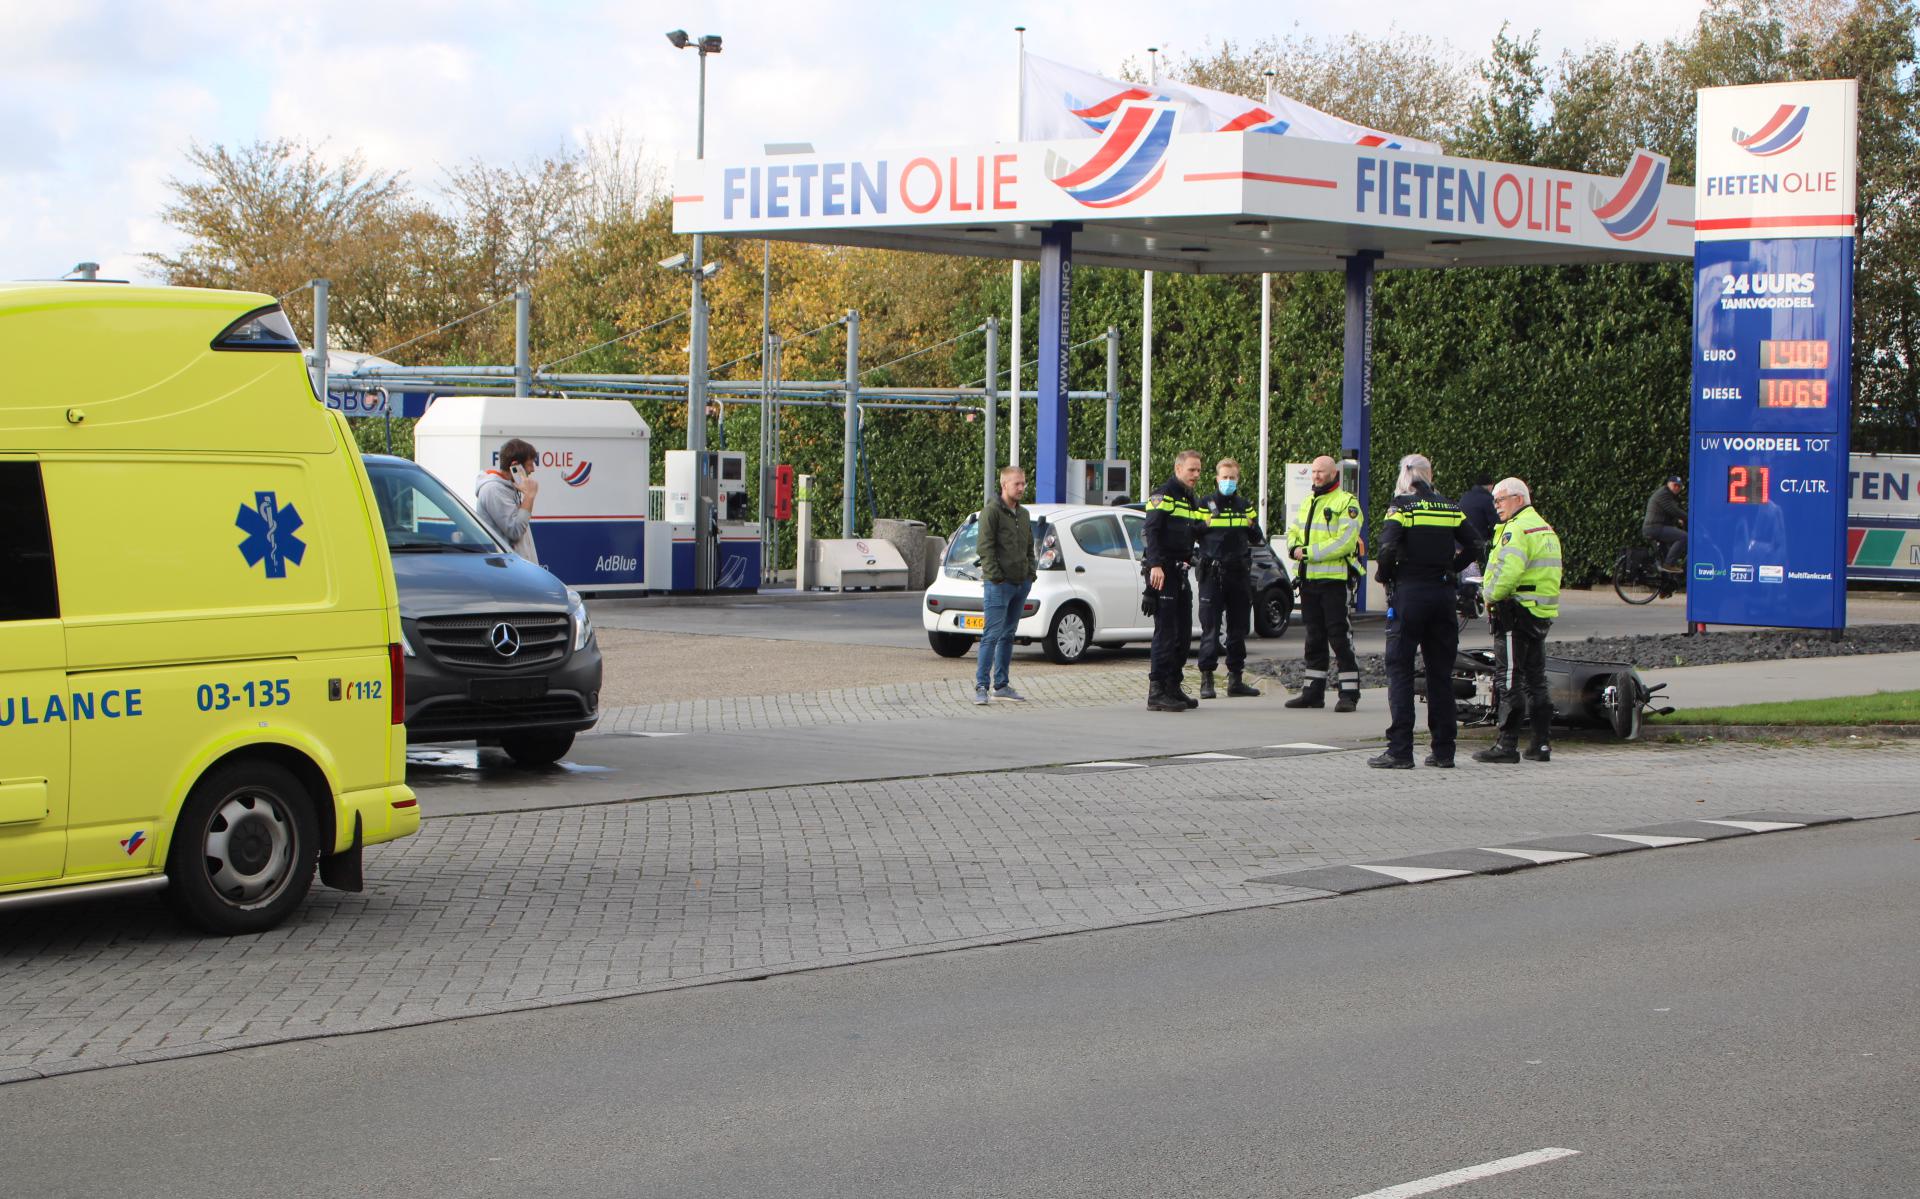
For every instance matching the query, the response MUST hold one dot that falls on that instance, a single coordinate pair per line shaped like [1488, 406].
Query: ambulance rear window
[27, 588]
[262, 329]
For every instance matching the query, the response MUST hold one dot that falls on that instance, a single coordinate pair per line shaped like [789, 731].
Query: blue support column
[1356, 381]
[1050, 363]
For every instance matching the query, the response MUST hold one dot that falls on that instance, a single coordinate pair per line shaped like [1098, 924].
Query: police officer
[1325, 540]
[1174, 523]
[1522, 590]
[1225, 570]
[1425, 541]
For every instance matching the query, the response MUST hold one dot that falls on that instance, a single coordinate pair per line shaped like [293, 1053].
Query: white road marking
[1453, 1178]
[1105, 765]
[1755, 826]
[1651, 842]
[1301, 745]
[1540, 857]
[1417, 874]
[1213, 757]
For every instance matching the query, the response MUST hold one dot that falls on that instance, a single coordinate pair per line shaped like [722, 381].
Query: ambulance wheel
[536, 749]
[243, 853]
[949, 645]
[1069, 636]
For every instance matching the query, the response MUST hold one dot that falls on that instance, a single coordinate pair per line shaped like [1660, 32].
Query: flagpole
[1019, 272]
[1266, 356]
[1146, 339]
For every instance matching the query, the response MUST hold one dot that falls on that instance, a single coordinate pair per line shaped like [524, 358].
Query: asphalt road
[1717, 1020]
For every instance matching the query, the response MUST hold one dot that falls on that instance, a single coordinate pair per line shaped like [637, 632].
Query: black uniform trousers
[1323, 605]
[1422, 619]
[1226, 598]
[1520, 673]
[1172, 628]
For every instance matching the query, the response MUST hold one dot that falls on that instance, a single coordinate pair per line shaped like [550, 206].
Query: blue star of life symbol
[270, 533]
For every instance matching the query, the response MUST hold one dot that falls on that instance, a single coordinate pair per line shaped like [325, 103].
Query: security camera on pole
[703, 562]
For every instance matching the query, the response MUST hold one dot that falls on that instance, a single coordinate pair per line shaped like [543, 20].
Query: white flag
[1062, 101]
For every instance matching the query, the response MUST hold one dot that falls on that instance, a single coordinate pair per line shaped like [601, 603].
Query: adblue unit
[590, 520]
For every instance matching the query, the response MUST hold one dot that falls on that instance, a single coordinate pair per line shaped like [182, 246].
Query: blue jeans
[1003, 602]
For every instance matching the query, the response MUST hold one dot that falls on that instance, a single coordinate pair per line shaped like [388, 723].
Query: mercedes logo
[505, 639]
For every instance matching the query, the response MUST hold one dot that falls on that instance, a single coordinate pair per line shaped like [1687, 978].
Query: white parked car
[1087, 592]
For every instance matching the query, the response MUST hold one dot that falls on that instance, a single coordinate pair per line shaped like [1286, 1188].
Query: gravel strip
[1664, 650]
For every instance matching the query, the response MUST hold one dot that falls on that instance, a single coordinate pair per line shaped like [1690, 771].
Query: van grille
[464, 717]
[466, 642]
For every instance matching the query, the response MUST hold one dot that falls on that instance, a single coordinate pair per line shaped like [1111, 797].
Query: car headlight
[582, 623]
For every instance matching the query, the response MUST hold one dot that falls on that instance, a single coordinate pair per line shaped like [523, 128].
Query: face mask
[1229, 486]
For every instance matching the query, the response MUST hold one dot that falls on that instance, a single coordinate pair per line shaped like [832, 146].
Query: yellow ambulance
[200, 666]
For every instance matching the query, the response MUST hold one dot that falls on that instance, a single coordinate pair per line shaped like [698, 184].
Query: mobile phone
[519, 472]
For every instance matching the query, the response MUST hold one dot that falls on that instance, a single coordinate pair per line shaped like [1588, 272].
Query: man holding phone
[504, 497]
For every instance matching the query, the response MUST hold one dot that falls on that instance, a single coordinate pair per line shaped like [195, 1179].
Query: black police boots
[1500, 752]
[1158, 700]
[1539, 752]
[1313, 695]
[1236, 686]
[1349, 701]
[1179, 694]
[1206, 685]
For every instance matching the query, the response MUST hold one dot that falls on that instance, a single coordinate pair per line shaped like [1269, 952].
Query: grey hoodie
[497, 501]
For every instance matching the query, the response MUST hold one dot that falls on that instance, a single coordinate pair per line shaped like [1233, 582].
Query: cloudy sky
[99, 97]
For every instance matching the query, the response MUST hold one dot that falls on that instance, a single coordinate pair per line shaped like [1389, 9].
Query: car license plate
[976, 623]
[495, 689]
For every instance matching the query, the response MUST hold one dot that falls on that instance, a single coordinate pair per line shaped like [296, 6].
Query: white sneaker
[980, 696]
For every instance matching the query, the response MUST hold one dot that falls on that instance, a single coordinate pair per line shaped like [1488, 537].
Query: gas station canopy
[1146, 197]
[1203, 203]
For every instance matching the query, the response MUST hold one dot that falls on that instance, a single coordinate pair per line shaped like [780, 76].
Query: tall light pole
[1146, 338]
[697, 345]
[705, 529]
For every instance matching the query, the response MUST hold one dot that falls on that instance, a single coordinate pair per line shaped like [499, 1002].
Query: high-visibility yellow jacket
[1329, 527]
[1525, 564]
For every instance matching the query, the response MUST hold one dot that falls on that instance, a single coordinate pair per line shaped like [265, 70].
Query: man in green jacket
[1324, 539]
[1006, 575]
[1522, 590]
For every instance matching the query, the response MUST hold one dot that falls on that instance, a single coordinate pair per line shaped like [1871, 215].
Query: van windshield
[963, 551]
[421, 516]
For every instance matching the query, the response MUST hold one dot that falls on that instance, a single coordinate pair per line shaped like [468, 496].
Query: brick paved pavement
[892, 701]
[494, 913]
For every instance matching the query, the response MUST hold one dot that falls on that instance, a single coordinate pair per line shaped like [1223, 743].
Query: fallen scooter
[1586, 695]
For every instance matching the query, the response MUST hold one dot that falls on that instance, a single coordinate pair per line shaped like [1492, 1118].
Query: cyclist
[1666, 522]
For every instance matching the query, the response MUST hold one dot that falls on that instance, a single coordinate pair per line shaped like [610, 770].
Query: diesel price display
[1793, 393]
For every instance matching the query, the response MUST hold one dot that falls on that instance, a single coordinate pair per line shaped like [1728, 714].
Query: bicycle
[1638, 578]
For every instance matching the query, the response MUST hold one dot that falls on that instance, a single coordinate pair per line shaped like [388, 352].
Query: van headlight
[582, 623]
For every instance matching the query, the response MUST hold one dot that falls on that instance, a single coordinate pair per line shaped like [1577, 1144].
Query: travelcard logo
[1781, 133]
[1738, 573]
[1703, 571]
[1633, 209]
[1773, 574]
[579, 475]
[1128, 159]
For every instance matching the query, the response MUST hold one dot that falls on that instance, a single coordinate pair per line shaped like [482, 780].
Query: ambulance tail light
[397, 682]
